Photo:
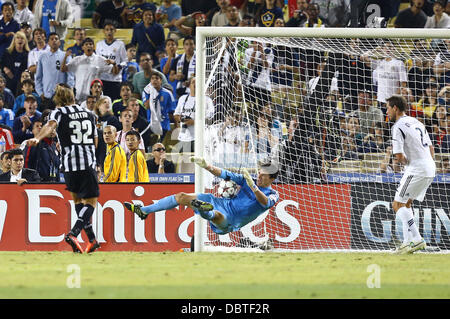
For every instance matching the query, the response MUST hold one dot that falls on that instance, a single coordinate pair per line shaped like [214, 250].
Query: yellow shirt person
[115, 165]
[137, 171]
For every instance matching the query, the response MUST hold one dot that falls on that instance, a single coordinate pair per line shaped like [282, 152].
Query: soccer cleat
[201, 205]
[403, 249]
[74, 243]
[417, 246]
[91, 247]
[135, 209]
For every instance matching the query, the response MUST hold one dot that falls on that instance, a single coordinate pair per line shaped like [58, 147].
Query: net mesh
[316, 107]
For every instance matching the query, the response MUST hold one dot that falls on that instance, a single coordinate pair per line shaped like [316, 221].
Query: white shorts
[412, 187]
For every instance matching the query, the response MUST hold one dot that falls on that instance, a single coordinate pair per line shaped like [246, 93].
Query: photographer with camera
[184, 116]
[300, 16]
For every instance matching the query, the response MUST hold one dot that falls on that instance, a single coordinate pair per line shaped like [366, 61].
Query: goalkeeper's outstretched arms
[200, 161]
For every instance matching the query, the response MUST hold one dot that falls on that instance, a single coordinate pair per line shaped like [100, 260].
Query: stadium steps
[370, 166]
[347, 166]
[374, 156]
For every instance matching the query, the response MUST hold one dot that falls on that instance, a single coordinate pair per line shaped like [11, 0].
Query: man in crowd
[115, 164]
[159, 164]
[22, 127]
[412, 17]
[18, 174]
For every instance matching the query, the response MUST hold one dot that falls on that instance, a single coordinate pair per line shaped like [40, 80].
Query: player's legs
[169, 202]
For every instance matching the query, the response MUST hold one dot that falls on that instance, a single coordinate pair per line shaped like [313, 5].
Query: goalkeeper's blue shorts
[221, 205]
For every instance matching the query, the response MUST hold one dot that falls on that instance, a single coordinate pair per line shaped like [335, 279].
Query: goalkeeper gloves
[200, 161]
[249, 180]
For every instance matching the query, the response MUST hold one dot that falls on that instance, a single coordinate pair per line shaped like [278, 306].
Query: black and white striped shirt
[76, 133]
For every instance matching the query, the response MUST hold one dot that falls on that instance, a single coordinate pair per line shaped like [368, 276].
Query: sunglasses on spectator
[160, 149]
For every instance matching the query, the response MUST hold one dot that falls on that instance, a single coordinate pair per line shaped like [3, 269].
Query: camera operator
[300, 16]
[184, 116]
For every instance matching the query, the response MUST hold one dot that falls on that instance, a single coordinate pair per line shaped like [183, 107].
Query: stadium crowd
[142, 91]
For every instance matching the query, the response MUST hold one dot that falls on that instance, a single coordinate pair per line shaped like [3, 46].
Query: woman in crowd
[15, 60]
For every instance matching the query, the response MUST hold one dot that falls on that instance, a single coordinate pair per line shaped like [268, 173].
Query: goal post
[329, 200]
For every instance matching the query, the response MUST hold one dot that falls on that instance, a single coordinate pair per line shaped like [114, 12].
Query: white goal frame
[200, 225]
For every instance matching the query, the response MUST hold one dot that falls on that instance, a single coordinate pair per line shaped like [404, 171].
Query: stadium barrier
[334, 216]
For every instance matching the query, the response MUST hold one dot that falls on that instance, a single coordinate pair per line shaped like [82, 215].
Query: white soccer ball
[227, 189]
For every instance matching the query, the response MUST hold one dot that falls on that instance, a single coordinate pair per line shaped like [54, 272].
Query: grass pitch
[170, 275]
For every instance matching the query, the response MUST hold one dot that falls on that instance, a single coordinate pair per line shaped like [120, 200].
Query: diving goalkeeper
[225, 215]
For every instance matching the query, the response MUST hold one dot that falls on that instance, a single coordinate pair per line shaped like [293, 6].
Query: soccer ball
[227, 189]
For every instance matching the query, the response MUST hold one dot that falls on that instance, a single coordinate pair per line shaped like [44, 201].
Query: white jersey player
[412, 147]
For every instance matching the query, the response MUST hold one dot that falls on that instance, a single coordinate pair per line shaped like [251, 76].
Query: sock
[410, 230]
[84, 216]
[78, 208]
[165, 203]
[89, 232]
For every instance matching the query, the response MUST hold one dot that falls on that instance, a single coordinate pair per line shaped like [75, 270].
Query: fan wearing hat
[96, 90]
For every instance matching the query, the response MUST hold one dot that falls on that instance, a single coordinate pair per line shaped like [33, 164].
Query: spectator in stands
[421, 69]
[445, 165]
[335, 13]
[114, 50]
[140, 123]
[166, 63]
[46, 17]
[428, 103]
[25, 27]
[108, 11]
[440, 19]
[6, 114]
[191, 6]
[219, 19]
[96, 90]
[8, 26]
[160, 105]
[90, 102]
[354, 135]
[390, 73]
[440, 127]
[258, 88]
[158, 164]
[115, 164]
[7, 138]
[268, 13]
[133, 15]
[86, 68]
[167, 14]
[49, 74]
[22, 126]
[300, 15]
[148, 35]
[126, 92]
[79, 34]
[14, 60]
[379, 138]
[247, 21]
[22, 13]
[5, 162]
[390, 163]
[367, 113]
[188, 24]
[104, 114]
[44, 157]
[126, 118]
[444, 96]
[142, 78]
[137, 166]
[183, 66]
[18, 174]
[313, 20]
[39, 37]
[412, 17]
[130, 67]
[442, 63]
[8, 96]
[27, 87]
[233, 16]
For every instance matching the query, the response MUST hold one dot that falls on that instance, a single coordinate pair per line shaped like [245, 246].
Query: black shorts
[83, 183]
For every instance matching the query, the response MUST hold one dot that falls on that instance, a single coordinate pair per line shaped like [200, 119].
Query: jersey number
[421, 137]
[80, 137]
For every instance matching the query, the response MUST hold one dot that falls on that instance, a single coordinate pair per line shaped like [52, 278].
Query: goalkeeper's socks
[165, 203]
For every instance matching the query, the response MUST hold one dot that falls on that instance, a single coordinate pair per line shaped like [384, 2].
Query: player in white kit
[412, 146]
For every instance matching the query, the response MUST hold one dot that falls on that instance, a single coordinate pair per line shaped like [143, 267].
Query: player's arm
[401, 158]
[46, 130]
[432, 151]
[260, 196]
[200, 161]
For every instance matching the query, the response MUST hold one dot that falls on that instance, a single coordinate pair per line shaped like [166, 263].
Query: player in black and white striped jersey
[76, 129]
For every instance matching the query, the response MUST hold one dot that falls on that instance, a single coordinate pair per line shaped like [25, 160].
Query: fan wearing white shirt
[114, 50]
[39, 37]
[87, 67]
[22, 13]
[412, 147]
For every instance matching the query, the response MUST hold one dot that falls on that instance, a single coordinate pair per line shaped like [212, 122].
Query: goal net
[313, 102]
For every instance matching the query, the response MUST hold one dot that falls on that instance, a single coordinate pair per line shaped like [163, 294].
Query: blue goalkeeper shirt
[242, 209]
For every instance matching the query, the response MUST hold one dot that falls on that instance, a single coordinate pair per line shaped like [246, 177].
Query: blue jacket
[155, 32]
[12, 26]
[44, 158]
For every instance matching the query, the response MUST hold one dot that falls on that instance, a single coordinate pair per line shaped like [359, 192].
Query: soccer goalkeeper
[224, 215]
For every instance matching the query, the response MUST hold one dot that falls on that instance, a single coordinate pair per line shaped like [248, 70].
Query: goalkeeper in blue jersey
[225, 215]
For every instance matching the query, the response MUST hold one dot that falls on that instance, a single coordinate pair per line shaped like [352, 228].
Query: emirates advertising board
[333, 216]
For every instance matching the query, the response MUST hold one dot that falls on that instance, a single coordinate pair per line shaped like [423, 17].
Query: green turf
[223, 275]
